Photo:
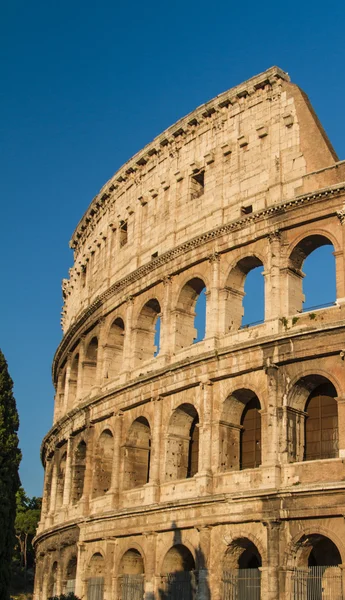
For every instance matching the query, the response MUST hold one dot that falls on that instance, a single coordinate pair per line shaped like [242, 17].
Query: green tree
[10, 456]
[27, 518]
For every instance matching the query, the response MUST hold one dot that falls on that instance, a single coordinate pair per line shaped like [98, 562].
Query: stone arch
[103, 463]
[70, 575]
[240, 431]
[145, 331]
[185, 314]
[312, 419]
[297, 552]
[132, 562]
[61, 475]
[241, 569]
[113, 348]
[182, 454]
[90, 365]
[234, 288]
[137, 454]
[301, 249]
[78, 471]
[53, 579]
[96, 576]
[178, 558]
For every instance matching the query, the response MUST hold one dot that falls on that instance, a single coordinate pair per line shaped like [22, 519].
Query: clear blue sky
[86, 85]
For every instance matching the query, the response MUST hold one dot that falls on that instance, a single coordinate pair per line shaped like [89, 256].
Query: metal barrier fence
[180, 585]
[317, 583]
[242, 584]
[95, 588]
[132, 587]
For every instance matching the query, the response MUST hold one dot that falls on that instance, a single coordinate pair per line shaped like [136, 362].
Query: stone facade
[216, 468]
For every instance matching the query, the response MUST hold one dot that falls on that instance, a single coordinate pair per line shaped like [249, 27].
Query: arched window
[318, 573]
[79, 466]
[182, 456]
[316, 286]
[321, 424]
[250, 456]
[137, 454]
[71, 573]
[90, 365]
[132, 575]
[95, 580]
[113, 349]
[147, 340]
[240, 431]
[61, 474]
[103, 463]
[190, 314]
[178, 574]
[241, 571]
[245, 303]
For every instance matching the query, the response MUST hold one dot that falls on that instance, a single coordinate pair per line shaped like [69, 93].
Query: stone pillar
[67, 381]
[68, 475]
[79, 392]
[89, 468]
[204, 474]
[340, 261]
[272, 278]
[150, 566]
[81, 574]
[166, 324]
[53, 487]
[270, 586]
[156, 453]
[115, 477]
[47, 491]
[270, 423]
[128, 350]
[341, 425]
[212, 299]
[100, 354]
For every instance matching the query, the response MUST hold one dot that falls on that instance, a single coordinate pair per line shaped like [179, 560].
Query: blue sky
[86, 85]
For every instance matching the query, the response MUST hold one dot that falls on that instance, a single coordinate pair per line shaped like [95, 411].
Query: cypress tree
[10, 456]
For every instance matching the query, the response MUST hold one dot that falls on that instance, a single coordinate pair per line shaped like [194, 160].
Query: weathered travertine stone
[196, 464]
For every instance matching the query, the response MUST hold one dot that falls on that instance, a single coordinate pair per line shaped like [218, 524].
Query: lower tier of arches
[266, 559]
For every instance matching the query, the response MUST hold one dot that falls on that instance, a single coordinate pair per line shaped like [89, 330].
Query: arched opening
[90, 365]
[190, 314]
[315, 254]
[178, 574]
[137, 454]
[240, 431]
[132, 575]
[61, 475]
[113, 349]
[71, 574]
[147, 332]
[95, 580]
[245, 294]
[73, 380]
[321, 424]
[52, 586]
[103, 463]
[312, 420]
[318, 575]
[182, 457]
[241, 571]
[79, 465]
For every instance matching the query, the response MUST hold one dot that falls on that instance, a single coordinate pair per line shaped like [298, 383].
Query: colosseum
[193, 454]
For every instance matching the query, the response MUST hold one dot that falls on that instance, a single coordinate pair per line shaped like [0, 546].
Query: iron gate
[95, 588]
[317, 583]
[180, 585]
[241, 584]
[132, 587]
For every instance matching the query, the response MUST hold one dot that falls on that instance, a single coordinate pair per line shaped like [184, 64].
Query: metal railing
[317, 583]
[242, 584]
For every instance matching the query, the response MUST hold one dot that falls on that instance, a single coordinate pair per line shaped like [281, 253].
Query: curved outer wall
[148, 450]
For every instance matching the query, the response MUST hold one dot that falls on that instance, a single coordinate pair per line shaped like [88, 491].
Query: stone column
[166, 324]
[100, 354]
[81, 574]
[272, 278]
[212, 299]
[89, 468]
[340, 261]
[270, 587]
[53, 487]
[115, 477]
[128, 350]
[154, 481]
[270, 422]
[150, 566]
[341, 425]
[204, 475]
[68, 475]
[79, 392]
